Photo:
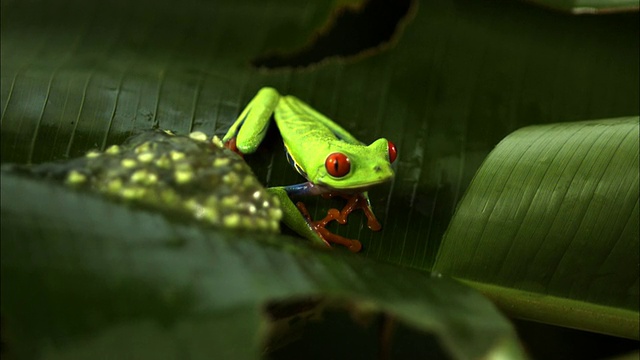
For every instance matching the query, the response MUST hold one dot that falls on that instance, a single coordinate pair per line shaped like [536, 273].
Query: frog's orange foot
[354, 202]
[327, 236]
[351, 244]
[231, 145]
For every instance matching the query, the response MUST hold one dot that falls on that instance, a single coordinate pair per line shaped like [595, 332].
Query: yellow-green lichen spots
[75, 178]
[113, 150]
[192, 175]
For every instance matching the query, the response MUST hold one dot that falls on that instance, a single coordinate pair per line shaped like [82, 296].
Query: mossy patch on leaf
[193, 175]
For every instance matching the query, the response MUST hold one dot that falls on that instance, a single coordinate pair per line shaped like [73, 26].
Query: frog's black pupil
[335, 165]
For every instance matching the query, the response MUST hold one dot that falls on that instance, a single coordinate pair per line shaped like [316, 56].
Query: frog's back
[300, 123]
[308, 135]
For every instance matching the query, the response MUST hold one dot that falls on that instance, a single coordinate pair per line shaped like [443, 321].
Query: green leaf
[458, 80]
[590, 6]
[455, 79]
[83, 276]
[549, 226]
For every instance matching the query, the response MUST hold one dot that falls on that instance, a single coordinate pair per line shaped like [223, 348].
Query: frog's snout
[381, 172]
[381, 169]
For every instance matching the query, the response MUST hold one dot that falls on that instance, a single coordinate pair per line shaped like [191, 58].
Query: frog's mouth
[355, 188]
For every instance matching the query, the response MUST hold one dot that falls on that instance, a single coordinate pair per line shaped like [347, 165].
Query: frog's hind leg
[326, 235]
[297, 218]
[293, 219]
[355, 201]
[248, 131]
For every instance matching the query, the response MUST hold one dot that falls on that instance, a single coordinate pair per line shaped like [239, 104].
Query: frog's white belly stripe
[293, 162]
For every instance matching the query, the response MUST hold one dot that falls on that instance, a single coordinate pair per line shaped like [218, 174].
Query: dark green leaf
[79, 75]
[590, 6]
[102, 277]
[455, 79]
[549, 226]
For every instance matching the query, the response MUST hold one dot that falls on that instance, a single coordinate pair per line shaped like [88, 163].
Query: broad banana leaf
[452, 80]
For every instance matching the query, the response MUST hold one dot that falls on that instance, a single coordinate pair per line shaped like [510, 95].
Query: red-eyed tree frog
[333, 162]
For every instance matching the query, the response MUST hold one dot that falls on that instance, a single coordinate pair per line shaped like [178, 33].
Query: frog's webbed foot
[357, 201]
[326, 235]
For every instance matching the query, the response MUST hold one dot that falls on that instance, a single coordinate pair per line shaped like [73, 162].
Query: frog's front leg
[250, 128]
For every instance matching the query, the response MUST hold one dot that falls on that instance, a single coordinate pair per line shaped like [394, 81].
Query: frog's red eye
[393, 152]
[337, 164]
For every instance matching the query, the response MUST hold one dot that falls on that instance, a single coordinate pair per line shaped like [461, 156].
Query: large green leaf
[456, 79]
[553, 211]
[590, 6]
[79, 75]
[101, 278]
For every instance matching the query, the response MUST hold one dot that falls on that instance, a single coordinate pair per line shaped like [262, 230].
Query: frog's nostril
[377, 168]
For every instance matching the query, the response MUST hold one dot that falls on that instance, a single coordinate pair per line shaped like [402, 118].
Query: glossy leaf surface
[454, 80]
[554, 211]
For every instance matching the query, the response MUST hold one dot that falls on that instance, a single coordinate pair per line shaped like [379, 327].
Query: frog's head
[357, 167]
